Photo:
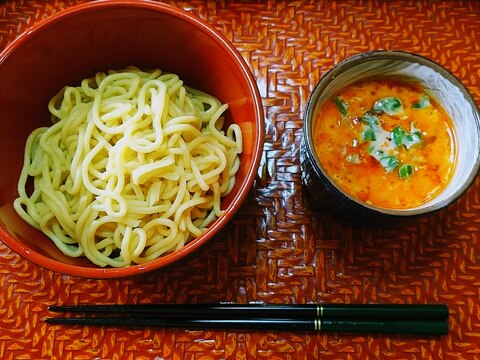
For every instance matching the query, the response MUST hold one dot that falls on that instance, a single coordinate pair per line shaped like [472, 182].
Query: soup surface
[386, 142]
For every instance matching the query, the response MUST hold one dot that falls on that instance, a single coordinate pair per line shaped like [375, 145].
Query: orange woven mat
[278, 249]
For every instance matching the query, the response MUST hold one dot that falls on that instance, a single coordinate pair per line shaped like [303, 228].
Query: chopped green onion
[342, 106]
[415, 137]
[402, 137]
[368, 135]
[398, 134]
[382, 144]
[389, 105]
[389, 163]
[405, 171]
[378, 154]
[370, 119]
[422, 103]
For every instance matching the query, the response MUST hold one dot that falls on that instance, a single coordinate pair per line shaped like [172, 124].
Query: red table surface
[278, 249]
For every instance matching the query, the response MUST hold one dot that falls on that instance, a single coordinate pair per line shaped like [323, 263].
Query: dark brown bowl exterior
[447, 89]
[322, 194]
[101, 35]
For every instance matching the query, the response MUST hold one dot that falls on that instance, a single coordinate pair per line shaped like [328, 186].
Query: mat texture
[279, 248]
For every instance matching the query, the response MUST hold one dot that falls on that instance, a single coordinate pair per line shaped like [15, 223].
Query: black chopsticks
[427, 319]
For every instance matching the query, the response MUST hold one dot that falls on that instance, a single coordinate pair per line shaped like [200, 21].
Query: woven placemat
[279, 248]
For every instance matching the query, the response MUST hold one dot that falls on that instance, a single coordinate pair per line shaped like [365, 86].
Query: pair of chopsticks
[427, 319]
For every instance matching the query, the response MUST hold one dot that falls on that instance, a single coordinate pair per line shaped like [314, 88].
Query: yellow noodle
[133, 167]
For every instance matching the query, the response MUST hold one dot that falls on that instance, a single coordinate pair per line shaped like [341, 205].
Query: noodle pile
[133, 167]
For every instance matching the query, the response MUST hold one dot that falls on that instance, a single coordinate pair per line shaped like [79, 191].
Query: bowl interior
[75, 44]
[437, 82]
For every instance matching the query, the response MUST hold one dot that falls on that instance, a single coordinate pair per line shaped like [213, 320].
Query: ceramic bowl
[96, 36]
[438, 82]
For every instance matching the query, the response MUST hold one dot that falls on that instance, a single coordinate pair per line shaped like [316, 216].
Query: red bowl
[74, 44]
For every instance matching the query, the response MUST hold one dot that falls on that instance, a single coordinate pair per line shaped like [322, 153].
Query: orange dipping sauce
[386, 143]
